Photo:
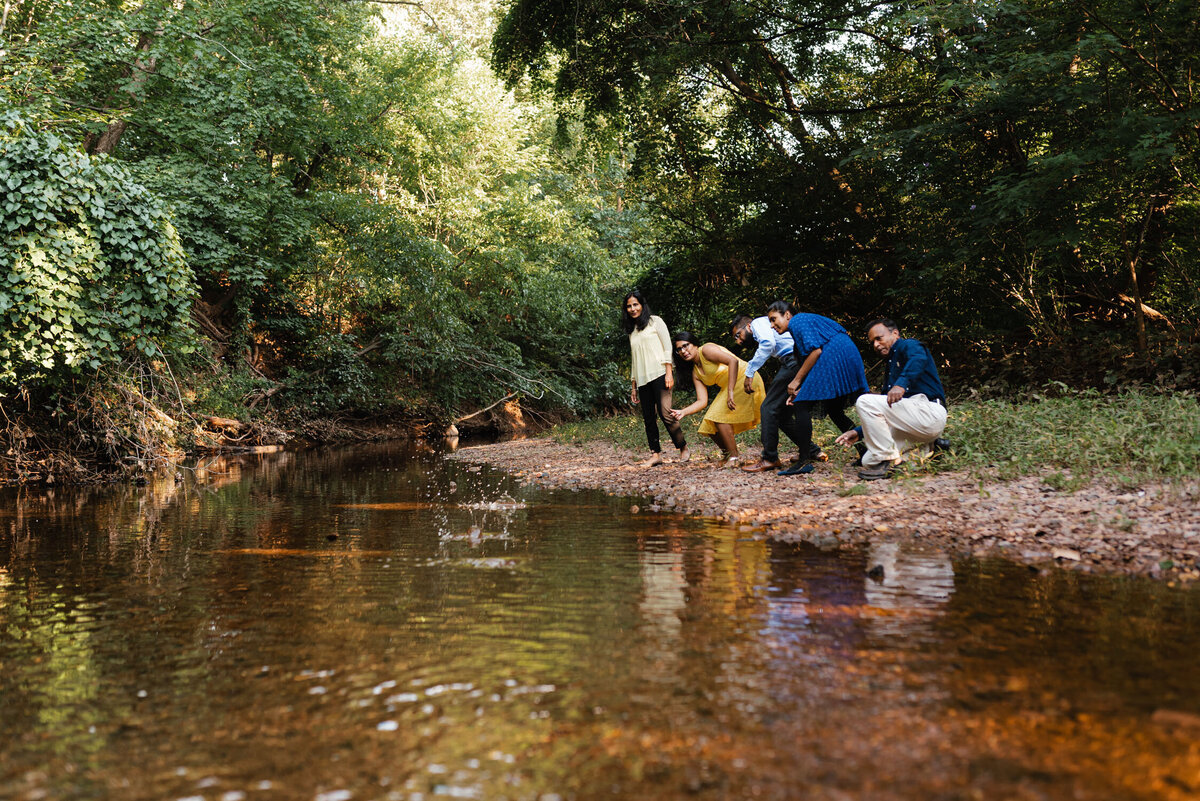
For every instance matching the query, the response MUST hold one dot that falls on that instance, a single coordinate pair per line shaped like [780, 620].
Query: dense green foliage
[90, 265]
[374, 223]
[996, 173]
[363, 219]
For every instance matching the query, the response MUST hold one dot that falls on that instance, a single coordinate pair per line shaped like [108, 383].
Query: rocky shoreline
[1153, 530]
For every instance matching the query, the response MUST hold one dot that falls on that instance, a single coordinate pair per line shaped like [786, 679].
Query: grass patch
[1129, 438]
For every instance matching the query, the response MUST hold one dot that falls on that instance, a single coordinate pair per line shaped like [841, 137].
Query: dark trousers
[778, 416]
[655, 399]
[834, 409]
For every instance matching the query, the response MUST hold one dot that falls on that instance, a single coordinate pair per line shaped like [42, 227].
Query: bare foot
[654, 460]
[685, 454]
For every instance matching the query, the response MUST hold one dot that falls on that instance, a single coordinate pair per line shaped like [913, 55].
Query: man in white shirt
[777, 415]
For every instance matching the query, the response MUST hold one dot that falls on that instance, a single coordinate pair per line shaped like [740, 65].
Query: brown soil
[1154, 530]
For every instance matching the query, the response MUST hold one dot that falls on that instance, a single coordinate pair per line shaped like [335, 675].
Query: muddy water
[378, 623]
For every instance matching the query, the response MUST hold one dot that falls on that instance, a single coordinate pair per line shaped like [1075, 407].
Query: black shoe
[941, 444]
[876, 472]
[798, 469]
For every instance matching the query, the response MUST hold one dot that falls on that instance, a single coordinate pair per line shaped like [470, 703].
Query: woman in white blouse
[652, 374]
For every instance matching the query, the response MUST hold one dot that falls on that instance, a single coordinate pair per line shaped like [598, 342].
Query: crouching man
[911, 411]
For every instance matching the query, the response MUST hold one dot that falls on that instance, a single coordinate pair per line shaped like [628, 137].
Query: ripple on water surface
[377, 623]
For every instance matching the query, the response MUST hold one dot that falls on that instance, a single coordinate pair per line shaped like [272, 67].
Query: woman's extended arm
[794, 386]
[700, 403]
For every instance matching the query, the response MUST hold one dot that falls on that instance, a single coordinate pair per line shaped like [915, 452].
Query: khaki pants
[890, 431]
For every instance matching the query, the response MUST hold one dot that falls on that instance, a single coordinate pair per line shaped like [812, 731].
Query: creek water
[382, 623]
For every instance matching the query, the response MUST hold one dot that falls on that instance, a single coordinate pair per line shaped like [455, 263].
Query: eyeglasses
[681, 348]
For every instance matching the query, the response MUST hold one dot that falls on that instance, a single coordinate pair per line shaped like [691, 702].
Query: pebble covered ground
[1151, 530]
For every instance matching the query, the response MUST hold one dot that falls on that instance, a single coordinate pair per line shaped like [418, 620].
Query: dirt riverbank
[1153, 530]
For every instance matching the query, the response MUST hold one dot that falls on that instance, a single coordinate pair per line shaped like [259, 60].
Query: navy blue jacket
[911, 366]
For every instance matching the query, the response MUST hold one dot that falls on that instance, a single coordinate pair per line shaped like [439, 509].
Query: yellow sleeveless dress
[717, 375]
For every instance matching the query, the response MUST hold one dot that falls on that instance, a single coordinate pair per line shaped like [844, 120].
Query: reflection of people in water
[825, 595]
[905, 579]
[702, 599]
[663, 598]
[909, 578]
[816, 594]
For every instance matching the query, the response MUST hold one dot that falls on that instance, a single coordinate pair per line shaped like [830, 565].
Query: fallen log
[452, 429]
[222, 423]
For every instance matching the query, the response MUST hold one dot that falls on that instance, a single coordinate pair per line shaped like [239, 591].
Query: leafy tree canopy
[996, 170]
[373, 221]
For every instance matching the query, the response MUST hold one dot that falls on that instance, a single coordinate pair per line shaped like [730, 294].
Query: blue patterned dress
[839, 370]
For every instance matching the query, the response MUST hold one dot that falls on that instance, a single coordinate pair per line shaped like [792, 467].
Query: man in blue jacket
[910, 412]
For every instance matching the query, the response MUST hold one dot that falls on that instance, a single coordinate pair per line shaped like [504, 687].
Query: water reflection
[663, 597]
[377, 623]
[906, 583]
[903, 577]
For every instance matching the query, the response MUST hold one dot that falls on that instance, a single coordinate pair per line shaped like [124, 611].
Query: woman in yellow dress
[733, 410]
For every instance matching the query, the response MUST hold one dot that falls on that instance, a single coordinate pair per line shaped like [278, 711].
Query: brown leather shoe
[761, 466]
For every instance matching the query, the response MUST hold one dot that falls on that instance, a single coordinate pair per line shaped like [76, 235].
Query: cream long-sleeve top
[651, 350]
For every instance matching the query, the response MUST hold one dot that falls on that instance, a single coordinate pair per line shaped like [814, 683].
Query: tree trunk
[1139, 313]
[141, 71]
[303, 180]
[1132, 256]
[107, 141]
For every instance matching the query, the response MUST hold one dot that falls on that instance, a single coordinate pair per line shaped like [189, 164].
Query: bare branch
[223, 47]
[509, 396]
[1139, 56]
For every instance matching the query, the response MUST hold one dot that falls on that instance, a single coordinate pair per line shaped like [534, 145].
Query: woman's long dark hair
[628, 323]
[781, 306]
[683, 368]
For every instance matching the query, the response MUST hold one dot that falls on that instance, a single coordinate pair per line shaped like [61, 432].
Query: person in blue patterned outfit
[909, 413]
[830, 377]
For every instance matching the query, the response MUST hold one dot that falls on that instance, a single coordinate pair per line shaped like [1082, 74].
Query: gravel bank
[1153, 530]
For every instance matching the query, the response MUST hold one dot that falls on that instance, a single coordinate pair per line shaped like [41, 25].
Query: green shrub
[90, 265]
